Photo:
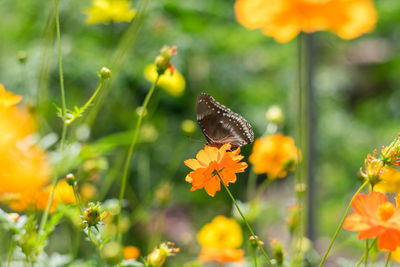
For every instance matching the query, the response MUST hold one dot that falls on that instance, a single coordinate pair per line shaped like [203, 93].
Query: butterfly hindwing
[220, 125]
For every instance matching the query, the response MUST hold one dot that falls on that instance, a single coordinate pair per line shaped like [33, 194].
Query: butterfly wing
[220, 125]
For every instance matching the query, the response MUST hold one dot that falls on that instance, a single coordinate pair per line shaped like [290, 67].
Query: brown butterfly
[220, 125]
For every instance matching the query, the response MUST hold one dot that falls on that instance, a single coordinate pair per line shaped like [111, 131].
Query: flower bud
[93, 215]
[188, 127]
[112, 253]
[275, 115]
[163, 61]
[22, 56]
[277, 251]
[14, 216]
[158, 256]
[254, 240]
[373, 169]
[293, 220]
[70, 178]
[105, 73]
[300, 189]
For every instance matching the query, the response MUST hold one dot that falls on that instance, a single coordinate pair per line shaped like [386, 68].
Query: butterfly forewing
[220, 125]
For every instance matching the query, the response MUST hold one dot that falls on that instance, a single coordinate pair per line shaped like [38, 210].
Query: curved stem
[341, 223]
[130, 152]
[388, 259]
[245, 221]
[64, 129]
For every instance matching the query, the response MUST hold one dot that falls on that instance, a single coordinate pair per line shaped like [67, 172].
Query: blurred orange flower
[284, 19]
[274, 155]
[220, 240]
[211, 162]
[24, 165]
[390, 181]
[131, 252]
[374, 216]
[62, 195]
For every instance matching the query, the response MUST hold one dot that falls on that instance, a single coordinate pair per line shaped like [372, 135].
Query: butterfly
[220, 125]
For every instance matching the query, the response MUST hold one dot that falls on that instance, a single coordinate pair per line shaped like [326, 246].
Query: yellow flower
[219, 241]
[284, 19]
[274, 155]
[396, 255]
[173, 84]
[105, 11]
[63, 194]
[24, 166]
[390, 181]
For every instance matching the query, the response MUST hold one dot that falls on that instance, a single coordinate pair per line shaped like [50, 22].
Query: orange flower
[274, 155]
[212, 161]
[131, 252]
[284, 19]
[63, 194]
[374, 216]
[219, 241]
[24, 165]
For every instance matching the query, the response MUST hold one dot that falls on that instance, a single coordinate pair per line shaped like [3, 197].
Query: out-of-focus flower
[188, 127]
[131, 252]
[106, 11]
[277, 251]
[374, 216]
[8, 99]
[172, 82]
[293, 220]
[396, 255]
[112, 253]
[88, 191]
[63, 194]
[389, 182]
[24, 165]
[220, 241]
[275, 115]
[274, 155]
[211, 162]
[284, 19]
[158, 256]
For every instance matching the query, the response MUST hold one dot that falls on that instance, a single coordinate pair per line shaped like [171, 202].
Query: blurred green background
[357, 109]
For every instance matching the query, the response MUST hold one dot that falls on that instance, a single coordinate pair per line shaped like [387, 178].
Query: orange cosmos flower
[374, 216]
[284, 19]
[219, 241]
[24, 165]
[131, 252]
[274, 155]
[211, 161]
[389, 181]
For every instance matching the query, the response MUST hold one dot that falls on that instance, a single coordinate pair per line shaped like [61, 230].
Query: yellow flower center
[386, 211]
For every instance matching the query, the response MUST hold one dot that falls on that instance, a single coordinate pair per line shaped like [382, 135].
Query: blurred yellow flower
[284, 19]
[396, 255]
[274, 155]
[219, 241]
[105, 11]
[390, 181]
[173, 84]
[24, 165]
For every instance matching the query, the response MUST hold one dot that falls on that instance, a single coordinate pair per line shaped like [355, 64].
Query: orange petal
[193, 164]
[356, 223]
[389, 240]
[212, 186]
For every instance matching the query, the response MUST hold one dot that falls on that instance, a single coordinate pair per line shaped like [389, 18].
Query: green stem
[96, 243]
[64, 129]
[262, 187]
[361, 260]
[388, 259]
[366, 253]
[255, 257]
[245, 221]
[10, 252]
[341, 223]
[130, 152]
[77, 199]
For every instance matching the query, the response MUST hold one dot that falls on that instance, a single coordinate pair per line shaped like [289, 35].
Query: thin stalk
[262, 187]
[361, 260]
[64, 129]
[96, 243]
[366, 253]
[388, 259]
[130, 152]
[341, 223]
[245, 221]
[10, 252]
[255, 256]
[77, 199]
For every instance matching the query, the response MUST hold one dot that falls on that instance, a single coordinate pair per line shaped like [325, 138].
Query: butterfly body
[220, 125]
